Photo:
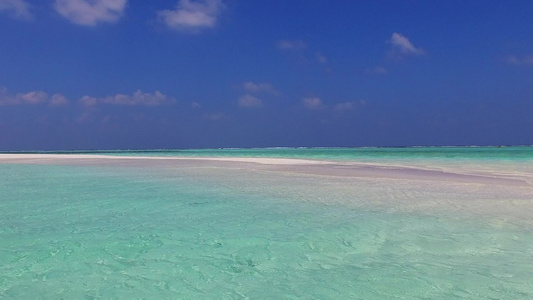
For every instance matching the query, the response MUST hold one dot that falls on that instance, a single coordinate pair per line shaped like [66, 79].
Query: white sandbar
[286, 165]
[29, 158]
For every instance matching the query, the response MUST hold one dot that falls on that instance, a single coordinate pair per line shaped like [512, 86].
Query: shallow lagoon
[210, 231]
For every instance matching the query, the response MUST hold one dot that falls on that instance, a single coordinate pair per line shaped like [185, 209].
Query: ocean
[214, 231]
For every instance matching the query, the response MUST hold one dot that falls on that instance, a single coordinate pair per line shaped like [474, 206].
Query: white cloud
[58, 100]
[196, 105]
[19, 8]
[31, 98]
[377, 70]
[291, 45]
[520, 61]
[137, 98]
[90, 12]
[36, 97]
[192, 16]
[320, 58]
[312, 103]
[88, 101]
[402, 46]
[253, 87]
[250, 101]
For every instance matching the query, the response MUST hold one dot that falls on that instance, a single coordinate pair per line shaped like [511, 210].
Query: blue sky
[132, 74]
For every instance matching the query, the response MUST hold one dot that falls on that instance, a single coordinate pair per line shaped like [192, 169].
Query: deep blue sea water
[132, 232]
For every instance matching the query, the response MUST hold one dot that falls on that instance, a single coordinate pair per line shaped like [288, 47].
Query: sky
[166, 74]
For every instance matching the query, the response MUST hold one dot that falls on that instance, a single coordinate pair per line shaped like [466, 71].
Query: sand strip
[286, 165]
[33, 158]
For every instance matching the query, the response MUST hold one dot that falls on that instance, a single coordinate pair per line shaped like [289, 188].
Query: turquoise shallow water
[97, 232]
[479, 153]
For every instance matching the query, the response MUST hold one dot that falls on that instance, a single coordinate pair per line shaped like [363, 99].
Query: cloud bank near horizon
[138, 98]
[31, 98]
